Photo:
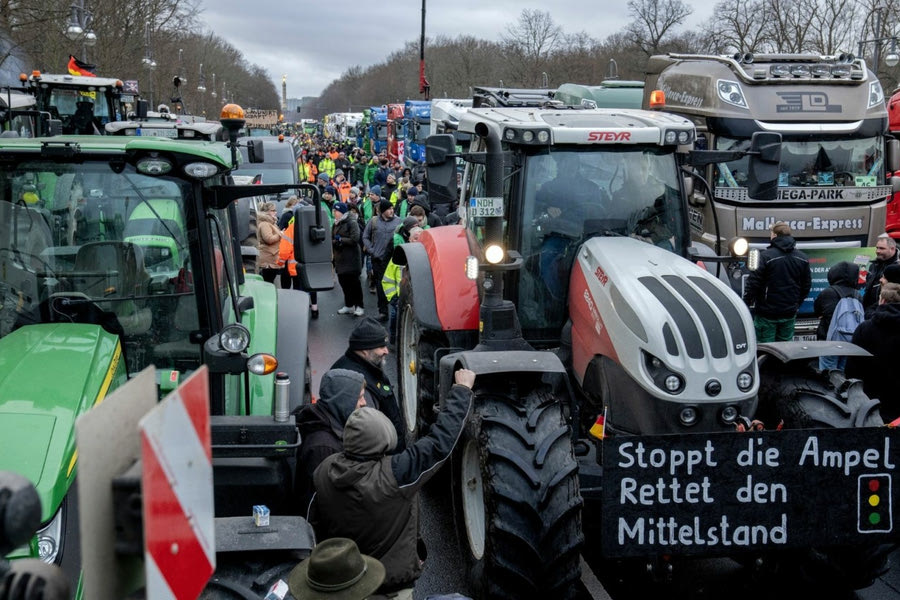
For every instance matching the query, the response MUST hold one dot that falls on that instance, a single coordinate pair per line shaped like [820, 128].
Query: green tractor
[118, 252]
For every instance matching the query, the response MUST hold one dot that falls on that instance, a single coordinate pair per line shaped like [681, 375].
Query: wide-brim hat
[336, 570]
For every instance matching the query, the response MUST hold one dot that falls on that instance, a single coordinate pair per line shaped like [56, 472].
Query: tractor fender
[494, 362]
[804, 350]
[442, 296]
[292, 344]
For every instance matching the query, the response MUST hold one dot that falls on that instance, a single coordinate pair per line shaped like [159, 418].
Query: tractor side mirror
[765, 163]
[440, 168]
[255, 151]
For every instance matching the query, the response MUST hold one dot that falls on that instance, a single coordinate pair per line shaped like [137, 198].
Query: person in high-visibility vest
[390, 283]
[289, 277]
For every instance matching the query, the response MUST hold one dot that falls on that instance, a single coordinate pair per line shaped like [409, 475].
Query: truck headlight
[738, 246]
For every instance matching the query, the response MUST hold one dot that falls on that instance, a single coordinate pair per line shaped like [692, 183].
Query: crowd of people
[356, 478]
[372, 205]
[866, 314]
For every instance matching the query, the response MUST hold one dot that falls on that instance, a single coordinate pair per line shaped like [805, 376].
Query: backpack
[848, 314]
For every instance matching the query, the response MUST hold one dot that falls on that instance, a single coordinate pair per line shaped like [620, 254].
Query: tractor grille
[714, 312]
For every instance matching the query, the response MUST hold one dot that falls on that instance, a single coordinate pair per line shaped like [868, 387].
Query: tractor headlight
[49, 538]
[738, 246]
[689, 416]
[673, 383]
[745, 381]
[729, 415]
[663, 377]
[234, 338]
[493, 254]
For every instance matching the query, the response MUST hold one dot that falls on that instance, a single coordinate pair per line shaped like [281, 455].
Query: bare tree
[653, 21]
[528, 45]
[739, 26]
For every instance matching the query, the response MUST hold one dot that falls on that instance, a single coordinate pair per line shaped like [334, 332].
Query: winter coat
[321, 426]
[781, 283]
[873, 282]
[879, 336]
[843, 279]
[269, 237]
[378, 236]
[372, 499]
[379, 392]
[345, 240]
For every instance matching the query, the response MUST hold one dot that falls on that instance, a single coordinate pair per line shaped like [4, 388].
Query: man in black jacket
[879, 336]
[885, 254]
[778, 287]
[321, 425]
[372, 498]
[366, 354]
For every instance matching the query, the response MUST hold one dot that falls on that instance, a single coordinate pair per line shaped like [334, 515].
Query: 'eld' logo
[795, 102]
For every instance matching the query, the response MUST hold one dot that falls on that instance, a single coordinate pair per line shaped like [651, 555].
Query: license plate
[154, 132]
[805, 338]
[486, 207]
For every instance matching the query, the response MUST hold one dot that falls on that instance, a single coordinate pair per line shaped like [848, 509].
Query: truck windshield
[381, 131]
[81, 243]
[572, 195]
[66, 102]
[812, 163]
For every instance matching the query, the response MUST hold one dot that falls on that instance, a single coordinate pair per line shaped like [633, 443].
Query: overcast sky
[313, 43]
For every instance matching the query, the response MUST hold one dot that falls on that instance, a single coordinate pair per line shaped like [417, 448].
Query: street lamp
[201, 86]
[891, 58]
[148, 58]
[79, 27]
[213, 92]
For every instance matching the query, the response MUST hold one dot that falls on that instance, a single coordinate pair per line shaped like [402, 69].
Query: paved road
[445, 569]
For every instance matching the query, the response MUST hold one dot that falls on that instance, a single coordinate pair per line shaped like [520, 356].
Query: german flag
[76, 67]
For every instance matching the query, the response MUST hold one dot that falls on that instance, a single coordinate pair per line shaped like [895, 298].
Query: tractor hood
[50, 374]
[656, 314]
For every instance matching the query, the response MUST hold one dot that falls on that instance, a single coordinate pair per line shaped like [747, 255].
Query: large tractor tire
[516, 498]
[416, 367]
[804, 400]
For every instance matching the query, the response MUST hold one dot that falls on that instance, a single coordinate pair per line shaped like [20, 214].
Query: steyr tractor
[615, 374]
[118, 252]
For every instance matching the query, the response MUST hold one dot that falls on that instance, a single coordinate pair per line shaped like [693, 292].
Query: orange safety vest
[286, 250]
[343, 190]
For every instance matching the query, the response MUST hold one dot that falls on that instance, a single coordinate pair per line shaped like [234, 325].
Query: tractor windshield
[572, 194]
[86, 243]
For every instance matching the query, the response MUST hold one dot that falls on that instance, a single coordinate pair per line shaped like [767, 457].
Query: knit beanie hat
[368, 334]
[385, 205]
[340, 207]
[892, 273]
[412, 191]
[375, 189]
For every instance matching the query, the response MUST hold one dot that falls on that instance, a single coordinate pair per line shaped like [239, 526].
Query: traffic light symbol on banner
[875, 501]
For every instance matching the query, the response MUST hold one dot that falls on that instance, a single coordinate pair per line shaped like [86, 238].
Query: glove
[337, 237]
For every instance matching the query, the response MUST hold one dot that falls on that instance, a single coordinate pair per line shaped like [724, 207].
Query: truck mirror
[255, 151]
[892, 155]
[765, 163]
[440, 168]
[140, 111]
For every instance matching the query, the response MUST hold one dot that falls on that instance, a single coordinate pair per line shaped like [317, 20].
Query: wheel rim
[407, 366]
[472, 491]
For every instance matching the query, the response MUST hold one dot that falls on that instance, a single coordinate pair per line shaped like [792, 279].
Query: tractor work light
[494, 254]
[471, 268]
[200, 170]
[234, 338]
[526, 136]
[819, 71]
[800, 71]
[262, 364]
[730, 93]
[153, 165]
[780, 71]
